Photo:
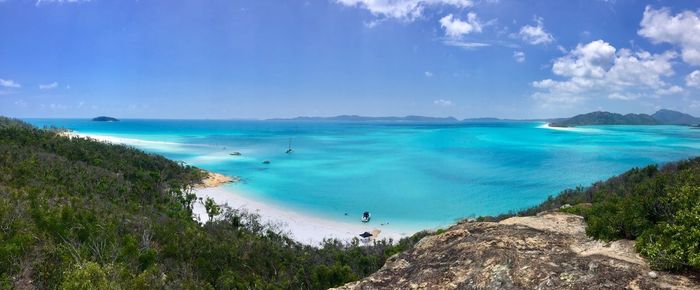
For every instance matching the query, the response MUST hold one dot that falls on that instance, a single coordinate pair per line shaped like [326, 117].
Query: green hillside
[80, 214]
[606, 118]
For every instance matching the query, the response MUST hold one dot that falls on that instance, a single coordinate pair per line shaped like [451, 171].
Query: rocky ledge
[548, 251]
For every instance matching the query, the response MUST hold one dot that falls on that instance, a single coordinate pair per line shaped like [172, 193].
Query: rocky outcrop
[549, 251]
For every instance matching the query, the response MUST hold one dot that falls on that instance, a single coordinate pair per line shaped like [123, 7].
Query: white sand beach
[571, 129]
[302, 227]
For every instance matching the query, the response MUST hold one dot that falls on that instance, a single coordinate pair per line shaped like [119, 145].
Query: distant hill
[670, 117]
[606, 118]
[105, 119]
[356, 118]
[409, 118]
[661, 117]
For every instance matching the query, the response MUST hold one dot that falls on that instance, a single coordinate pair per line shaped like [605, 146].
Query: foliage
[657, 207]
[606, 118]
[212, 208]
[76, 213]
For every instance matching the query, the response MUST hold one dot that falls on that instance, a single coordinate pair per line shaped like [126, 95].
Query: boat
[235, 153]
[366, 216]
[266, 162]
[289, 149]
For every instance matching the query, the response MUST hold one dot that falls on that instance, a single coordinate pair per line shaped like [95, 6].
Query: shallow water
[412, 175]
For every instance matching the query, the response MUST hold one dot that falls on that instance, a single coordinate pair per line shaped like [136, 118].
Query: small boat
[366, 217]
[266, 162]
[289, 149]
[235, 153]
[366, 235]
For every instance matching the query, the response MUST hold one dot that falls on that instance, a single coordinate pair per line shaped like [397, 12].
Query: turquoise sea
[412, 175]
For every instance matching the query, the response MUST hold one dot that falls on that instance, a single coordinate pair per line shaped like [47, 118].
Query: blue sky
[262, 59]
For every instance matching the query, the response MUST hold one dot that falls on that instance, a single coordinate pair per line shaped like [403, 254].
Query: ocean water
[412, 175]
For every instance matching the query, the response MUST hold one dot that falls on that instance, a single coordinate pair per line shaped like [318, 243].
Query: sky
[264, 59]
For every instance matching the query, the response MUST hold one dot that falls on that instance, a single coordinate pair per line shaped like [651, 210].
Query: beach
[302, 227]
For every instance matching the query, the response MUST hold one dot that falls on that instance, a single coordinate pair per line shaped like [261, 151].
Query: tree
[212, 208]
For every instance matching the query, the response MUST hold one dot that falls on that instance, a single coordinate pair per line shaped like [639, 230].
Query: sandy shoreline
[302, 227]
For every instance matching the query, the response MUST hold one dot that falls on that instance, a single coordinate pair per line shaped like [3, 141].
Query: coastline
[302, 227]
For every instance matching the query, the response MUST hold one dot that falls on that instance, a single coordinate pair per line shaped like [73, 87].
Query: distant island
[405, 119]
[356, 118]
[669, 117]
[661, 117]
[105, 119]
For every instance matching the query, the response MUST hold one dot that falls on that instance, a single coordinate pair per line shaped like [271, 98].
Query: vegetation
[661, 117]
[657, 207]
[670, 117]
[606, 118]
[79, 214]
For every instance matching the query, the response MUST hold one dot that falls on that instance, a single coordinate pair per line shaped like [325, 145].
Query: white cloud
[590, 60]
[536, 34]
[623, 96]
[9, 84]
[693, 79]
[429, 74]
[669, 90]
[402, 9]
[456, 28]
[443, 103]
[465, 44]
[39, 2]
[682, 30]
[599, 69]
[519, 56]
[50, 86]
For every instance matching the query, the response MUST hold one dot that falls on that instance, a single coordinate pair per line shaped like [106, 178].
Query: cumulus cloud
[402, 9]
[443, 103]
[599, 69]
[9, 84]
[519, 56]
[456, 28]
[682, 30]
[50, 86]
[693, 79]
[536, 34]
[429, 74]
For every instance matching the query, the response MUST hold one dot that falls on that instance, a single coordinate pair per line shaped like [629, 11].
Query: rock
[565, 206]
[653, 275]
[550, 251]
